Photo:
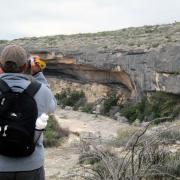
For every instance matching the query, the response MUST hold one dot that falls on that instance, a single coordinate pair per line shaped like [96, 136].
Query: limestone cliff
[139, 72]
[135, 60]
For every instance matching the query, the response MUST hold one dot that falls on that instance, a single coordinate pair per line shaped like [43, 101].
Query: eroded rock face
[93, 91]
[87, 74]
[137, 70]
[96, 82]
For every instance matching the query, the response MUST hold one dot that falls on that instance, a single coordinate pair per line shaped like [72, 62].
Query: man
[14, 64]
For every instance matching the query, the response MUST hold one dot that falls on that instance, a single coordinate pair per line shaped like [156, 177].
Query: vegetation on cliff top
[145, 37]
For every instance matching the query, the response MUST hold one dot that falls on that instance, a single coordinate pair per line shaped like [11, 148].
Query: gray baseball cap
[13, 53]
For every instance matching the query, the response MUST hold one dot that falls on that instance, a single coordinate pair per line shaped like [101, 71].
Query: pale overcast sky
[22, 18]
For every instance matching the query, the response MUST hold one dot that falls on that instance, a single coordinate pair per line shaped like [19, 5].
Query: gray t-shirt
[46, 103]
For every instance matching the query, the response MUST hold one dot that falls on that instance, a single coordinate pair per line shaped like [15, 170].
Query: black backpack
[18, 114]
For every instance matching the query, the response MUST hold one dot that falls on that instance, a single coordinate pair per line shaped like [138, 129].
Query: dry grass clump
[123, 135]
[146, 157]
[54, 134]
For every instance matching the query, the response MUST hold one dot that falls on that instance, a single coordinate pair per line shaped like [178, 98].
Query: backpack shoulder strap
[33, 88]
[4, 86]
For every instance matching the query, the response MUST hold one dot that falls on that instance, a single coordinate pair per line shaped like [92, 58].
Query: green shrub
[109, 102]
[137, 111]
[159, 104]
[164, 104]
[54, 134]
[87, 108]
[154, 45]
[79, 104]
[3, 41]
[71, 98]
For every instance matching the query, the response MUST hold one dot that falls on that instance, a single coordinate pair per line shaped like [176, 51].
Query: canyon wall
[132, 61]
[137, 71]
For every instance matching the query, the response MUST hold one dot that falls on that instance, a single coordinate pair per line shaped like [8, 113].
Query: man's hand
[34, 67]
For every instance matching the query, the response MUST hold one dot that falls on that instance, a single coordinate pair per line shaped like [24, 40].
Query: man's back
[14, 64]
[46, 103]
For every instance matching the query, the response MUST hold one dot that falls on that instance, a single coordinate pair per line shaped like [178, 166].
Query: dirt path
[59, 161]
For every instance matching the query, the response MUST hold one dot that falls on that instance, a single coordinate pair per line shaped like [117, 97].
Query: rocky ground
[60, 161]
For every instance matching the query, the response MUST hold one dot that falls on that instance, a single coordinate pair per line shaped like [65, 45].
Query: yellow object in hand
[40, 63]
